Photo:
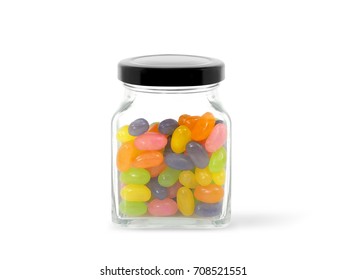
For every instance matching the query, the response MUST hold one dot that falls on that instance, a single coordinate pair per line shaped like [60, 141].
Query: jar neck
[205, 89]
[183, 97]
[156, 103]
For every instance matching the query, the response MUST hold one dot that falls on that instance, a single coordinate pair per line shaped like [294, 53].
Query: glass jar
[171, 144]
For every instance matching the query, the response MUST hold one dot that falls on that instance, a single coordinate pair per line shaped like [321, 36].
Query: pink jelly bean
[162, 208]
[216, 138]
[151, 141]
[172, 191]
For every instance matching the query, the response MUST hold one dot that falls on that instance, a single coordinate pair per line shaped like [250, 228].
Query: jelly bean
[168, 148]
[181, 136]
[168, 126]
[182, 119]
[148, 159]
[198, 154]
[154, 127]
[203, 127]
[218, 121]
[157, 190]
[172, 191]
[135, 176]
[162, 208]
[188, 121]
[138, 127]
[209, 194]
[133, 208]
[191, 121]
[187, 179]
[219, 177]
[123, 134]
[179, 161]
[125, 156]
[217, 138]
[156, 170]
[134, 192]
[208, 209]
[218, 160]
[203, 176]
[168, 177]
[185, 201]
[150, 141]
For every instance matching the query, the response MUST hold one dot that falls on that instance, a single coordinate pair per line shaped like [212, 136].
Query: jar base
[172, 222]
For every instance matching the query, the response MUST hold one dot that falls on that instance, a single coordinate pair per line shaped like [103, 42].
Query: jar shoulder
[158, 107]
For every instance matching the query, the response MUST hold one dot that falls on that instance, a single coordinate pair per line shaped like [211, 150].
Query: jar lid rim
[171, 70]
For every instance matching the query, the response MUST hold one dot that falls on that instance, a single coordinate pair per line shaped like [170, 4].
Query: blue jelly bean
[156, 189]
[138, 127]
[218, 121]
[198, 154]
[168, 126]
[179, 161]
[208, 209]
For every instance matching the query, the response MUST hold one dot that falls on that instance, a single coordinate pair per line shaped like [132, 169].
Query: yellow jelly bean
[203, 176]
[219, 177]
[187, 179]
[185, 201]
[133, 192]
[123, 134]
[181, 136]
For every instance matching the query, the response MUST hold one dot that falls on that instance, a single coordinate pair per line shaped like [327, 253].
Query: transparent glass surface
[156, 104]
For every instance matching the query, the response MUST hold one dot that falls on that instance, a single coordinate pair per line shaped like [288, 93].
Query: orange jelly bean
[209, 194]
[148, 159]
[156, 170]
[154, 127]
[125, 156]
[203, 127]
[191, 121]
[182, 119]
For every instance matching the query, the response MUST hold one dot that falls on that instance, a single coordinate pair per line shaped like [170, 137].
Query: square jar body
[171, 159]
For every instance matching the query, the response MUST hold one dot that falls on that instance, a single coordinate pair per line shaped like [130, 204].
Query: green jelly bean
[169, 177]
[218, 160]
[133, 208]
[138, 176]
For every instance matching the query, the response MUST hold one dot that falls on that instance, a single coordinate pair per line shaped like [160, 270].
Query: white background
[285, 90]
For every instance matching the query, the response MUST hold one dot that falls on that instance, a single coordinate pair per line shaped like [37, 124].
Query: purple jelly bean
[208, 209]
[198, 154]
[168, 126]
[168, 148]
[138, 127]
[156, 189]
[218, 121]
[179, 161]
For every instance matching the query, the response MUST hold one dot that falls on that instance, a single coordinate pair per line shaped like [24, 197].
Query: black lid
[171, 70]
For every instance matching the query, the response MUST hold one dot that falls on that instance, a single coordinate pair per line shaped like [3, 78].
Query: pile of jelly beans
[172, 167]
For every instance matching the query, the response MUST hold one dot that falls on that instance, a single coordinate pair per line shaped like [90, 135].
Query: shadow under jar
[171, 144]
